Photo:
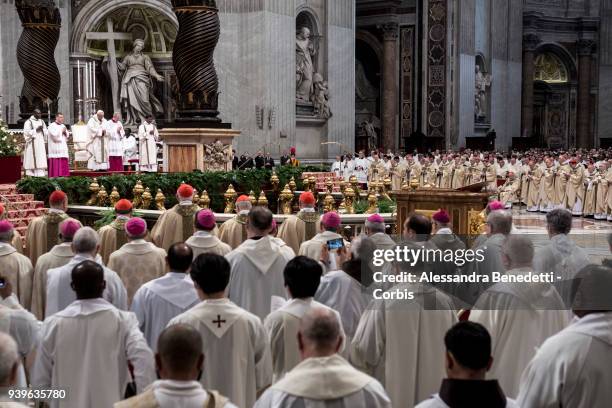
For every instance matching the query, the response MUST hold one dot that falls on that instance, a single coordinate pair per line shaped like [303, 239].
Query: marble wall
[604, 128]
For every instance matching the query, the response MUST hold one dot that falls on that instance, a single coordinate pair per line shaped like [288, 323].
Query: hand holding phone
[335, 244]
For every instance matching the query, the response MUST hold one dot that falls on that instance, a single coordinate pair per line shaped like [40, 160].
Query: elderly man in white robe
[204, 239]
[323, 378]
[85, 247]
[35, 153]
[396, 332]
[98, 142]
[147, 142]
[116, 134]
[238, 362]
[162, 299]
[257, 266]
[572, 368]
[86, 347]
[58, 148]
[560, 255]
[15, 267]
[519, 316]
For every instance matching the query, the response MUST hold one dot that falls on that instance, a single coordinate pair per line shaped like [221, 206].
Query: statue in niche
[320, 97]
[137, 73]
[369, 129]
[363, 87]
[483, 81]
[305, 51]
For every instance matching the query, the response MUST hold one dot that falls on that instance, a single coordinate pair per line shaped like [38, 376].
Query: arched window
[550, 69]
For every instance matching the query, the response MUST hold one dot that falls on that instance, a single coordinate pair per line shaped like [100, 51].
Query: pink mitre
[331, 219]
[5, 226]
[135, 227]
[376, 218]
[69, 227]
[206, 219]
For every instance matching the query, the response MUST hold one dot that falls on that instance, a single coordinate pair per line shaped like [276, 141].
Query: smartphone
[334, 244]
[2, 283]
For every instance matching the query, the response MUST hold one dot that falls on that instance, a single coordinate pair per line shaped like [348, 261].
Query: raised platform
[89, 173]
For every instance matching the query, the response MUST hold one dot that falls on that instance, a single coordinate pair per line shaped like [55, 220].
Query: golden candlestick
[355, 185]
[263, 200]
[312, 181]
[372, 203]
[114, 197]
[160, 200]
[349, 199]
[274, 180]
[94, 187]
[230, 198]
[137, 191]
[329, 185]
[328, 203]
[252, 198]
[292, 185]
[204, 200]
[146, 199]
[286, 197]
[102, 197]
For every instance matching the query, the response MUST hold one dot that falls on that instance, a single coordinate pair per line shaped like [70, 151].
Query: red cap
[123, 206]
[441, 216]
[243, 198]
[185, 191]
[292, 150]
[307, 198]
[573, 160]
[5, 226]
[331, 219]
[57, 197]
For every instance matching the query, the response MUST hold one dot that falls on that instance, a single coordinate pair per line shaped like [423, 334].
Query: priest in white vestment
[302, 277]
[85, 348]
[147, 141]
[98, 142]
[58, 148]
[330, 225]
[468, 360]
[519, 316]
[116, 134]
[138, 261]
[204, 239]
[572, 368]
[323, 378]
[15, 267]
[238, 362]
[9, 371]
[162, 299]
[257, 266]
[35, 153]
[178, 384]
[130, 153]
[85, 246]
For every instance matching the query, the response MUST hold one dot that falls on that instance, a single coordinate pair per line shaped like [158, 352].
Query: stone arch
[371, 40]
[306, 16]
[563, 54]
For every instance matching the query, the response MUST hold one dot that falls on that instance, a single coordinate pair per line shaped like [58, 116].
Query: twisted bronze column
[192, 56]
[41, 23]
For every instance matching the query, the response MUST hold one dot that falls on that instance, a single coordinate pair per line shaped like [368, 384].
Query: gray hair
[85, 240]
[363, 248]
[321, 327]
[500, 222]
[559, 221]
[244, 205]
[9, 356]
[375, 227]
[519, 249]
[7, 236]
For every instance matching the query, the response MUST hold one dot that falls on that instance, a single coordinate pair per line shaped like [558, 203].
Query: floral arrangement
[9, 145]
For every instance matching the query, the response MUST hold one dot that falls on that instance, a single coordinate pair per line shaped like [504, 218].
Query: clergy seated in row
[257, 265]
[561, 255]
[15, 267]
[162, 299]
[345, 289]
[395, 333]
[302, 277]
[112, 236]
[330, 226]
[85, 347]
[572, 368]
[323, 378]
[179, 362]
[60, 294]
[204, 239]
[238, 362]
[234, 231]
[9, 370]
[519, 316]
[303, 226]
[59, 256]
[17, 241]
[138, 261]
[43, 231]
[176, 224]
[467, 361]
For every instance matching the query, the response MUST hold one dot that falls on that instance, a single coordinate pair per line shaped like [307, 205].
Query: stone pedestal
[185, 148]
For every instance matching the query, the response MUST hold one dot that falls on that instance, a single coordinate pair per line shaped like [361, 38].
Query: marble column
[390, 97]
[530, 43]
[583, 125]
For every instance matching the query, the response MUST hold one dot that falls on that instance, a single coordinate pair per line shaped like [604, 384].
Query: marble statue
[320, 97]
[217, 156]
[483, 81]
[137, 74]
[305, 51]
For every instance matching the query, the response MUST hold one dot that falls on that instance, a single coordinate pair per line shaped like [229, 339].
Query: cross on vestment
[110, 36]
[218, 321]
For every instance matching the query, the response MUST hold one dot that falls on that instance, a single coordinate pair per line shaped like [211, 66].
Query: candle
[86, 87]
[93, 74]
[79, 79]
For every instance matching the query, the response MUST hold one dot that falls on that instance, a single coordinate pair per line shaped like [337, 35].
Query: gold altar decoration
[196, 197]
[252, 198]
[147, 197]
[216, 155]
[355, 184]
[230, 198]
[263, 200]
[329, 185]
[102, 197]
[274, 180]
[286, 197]
[342, 186]
[160, 199]
[372, 203]
[137, 191]
[349, 197]
[328, 203]
[414, 184]
[405, 184]
[114, 197]
[204, 200]
[94, 187]
[477, 222]
[292, 185]
[312, 184]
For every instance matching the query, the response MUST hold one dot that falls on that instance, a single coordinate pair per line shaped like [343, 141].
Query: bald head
[179, 353]
[518, 251]
[260, 221]
[88, 280]
[179, 257]
[319, 334]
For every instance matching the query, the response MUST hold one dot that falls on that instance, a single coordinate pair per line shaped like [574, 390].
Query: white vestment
[130, 150]
[17, 269]
[336, 168]
[148, 146]
[85, 349]
[519, 317]
[98, 144]
[361, 169]
[324, 382]
[115, 133]
[312, 247]
[160, 300]
[35, 154]
[572, 368]
[235, 344]
[402, 342]
[58, 147]
[257, 273]
[60, 294]
[202, 242]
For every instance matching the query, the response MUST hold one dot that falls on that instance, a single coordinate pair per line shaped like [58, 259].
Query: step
[21, 222]
[18, 197]
[27, 213]
[25, 205]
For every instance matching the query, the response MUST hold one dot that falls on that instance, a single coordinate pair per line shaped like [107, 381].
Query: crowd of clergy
[245, 314]
[537, 179]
